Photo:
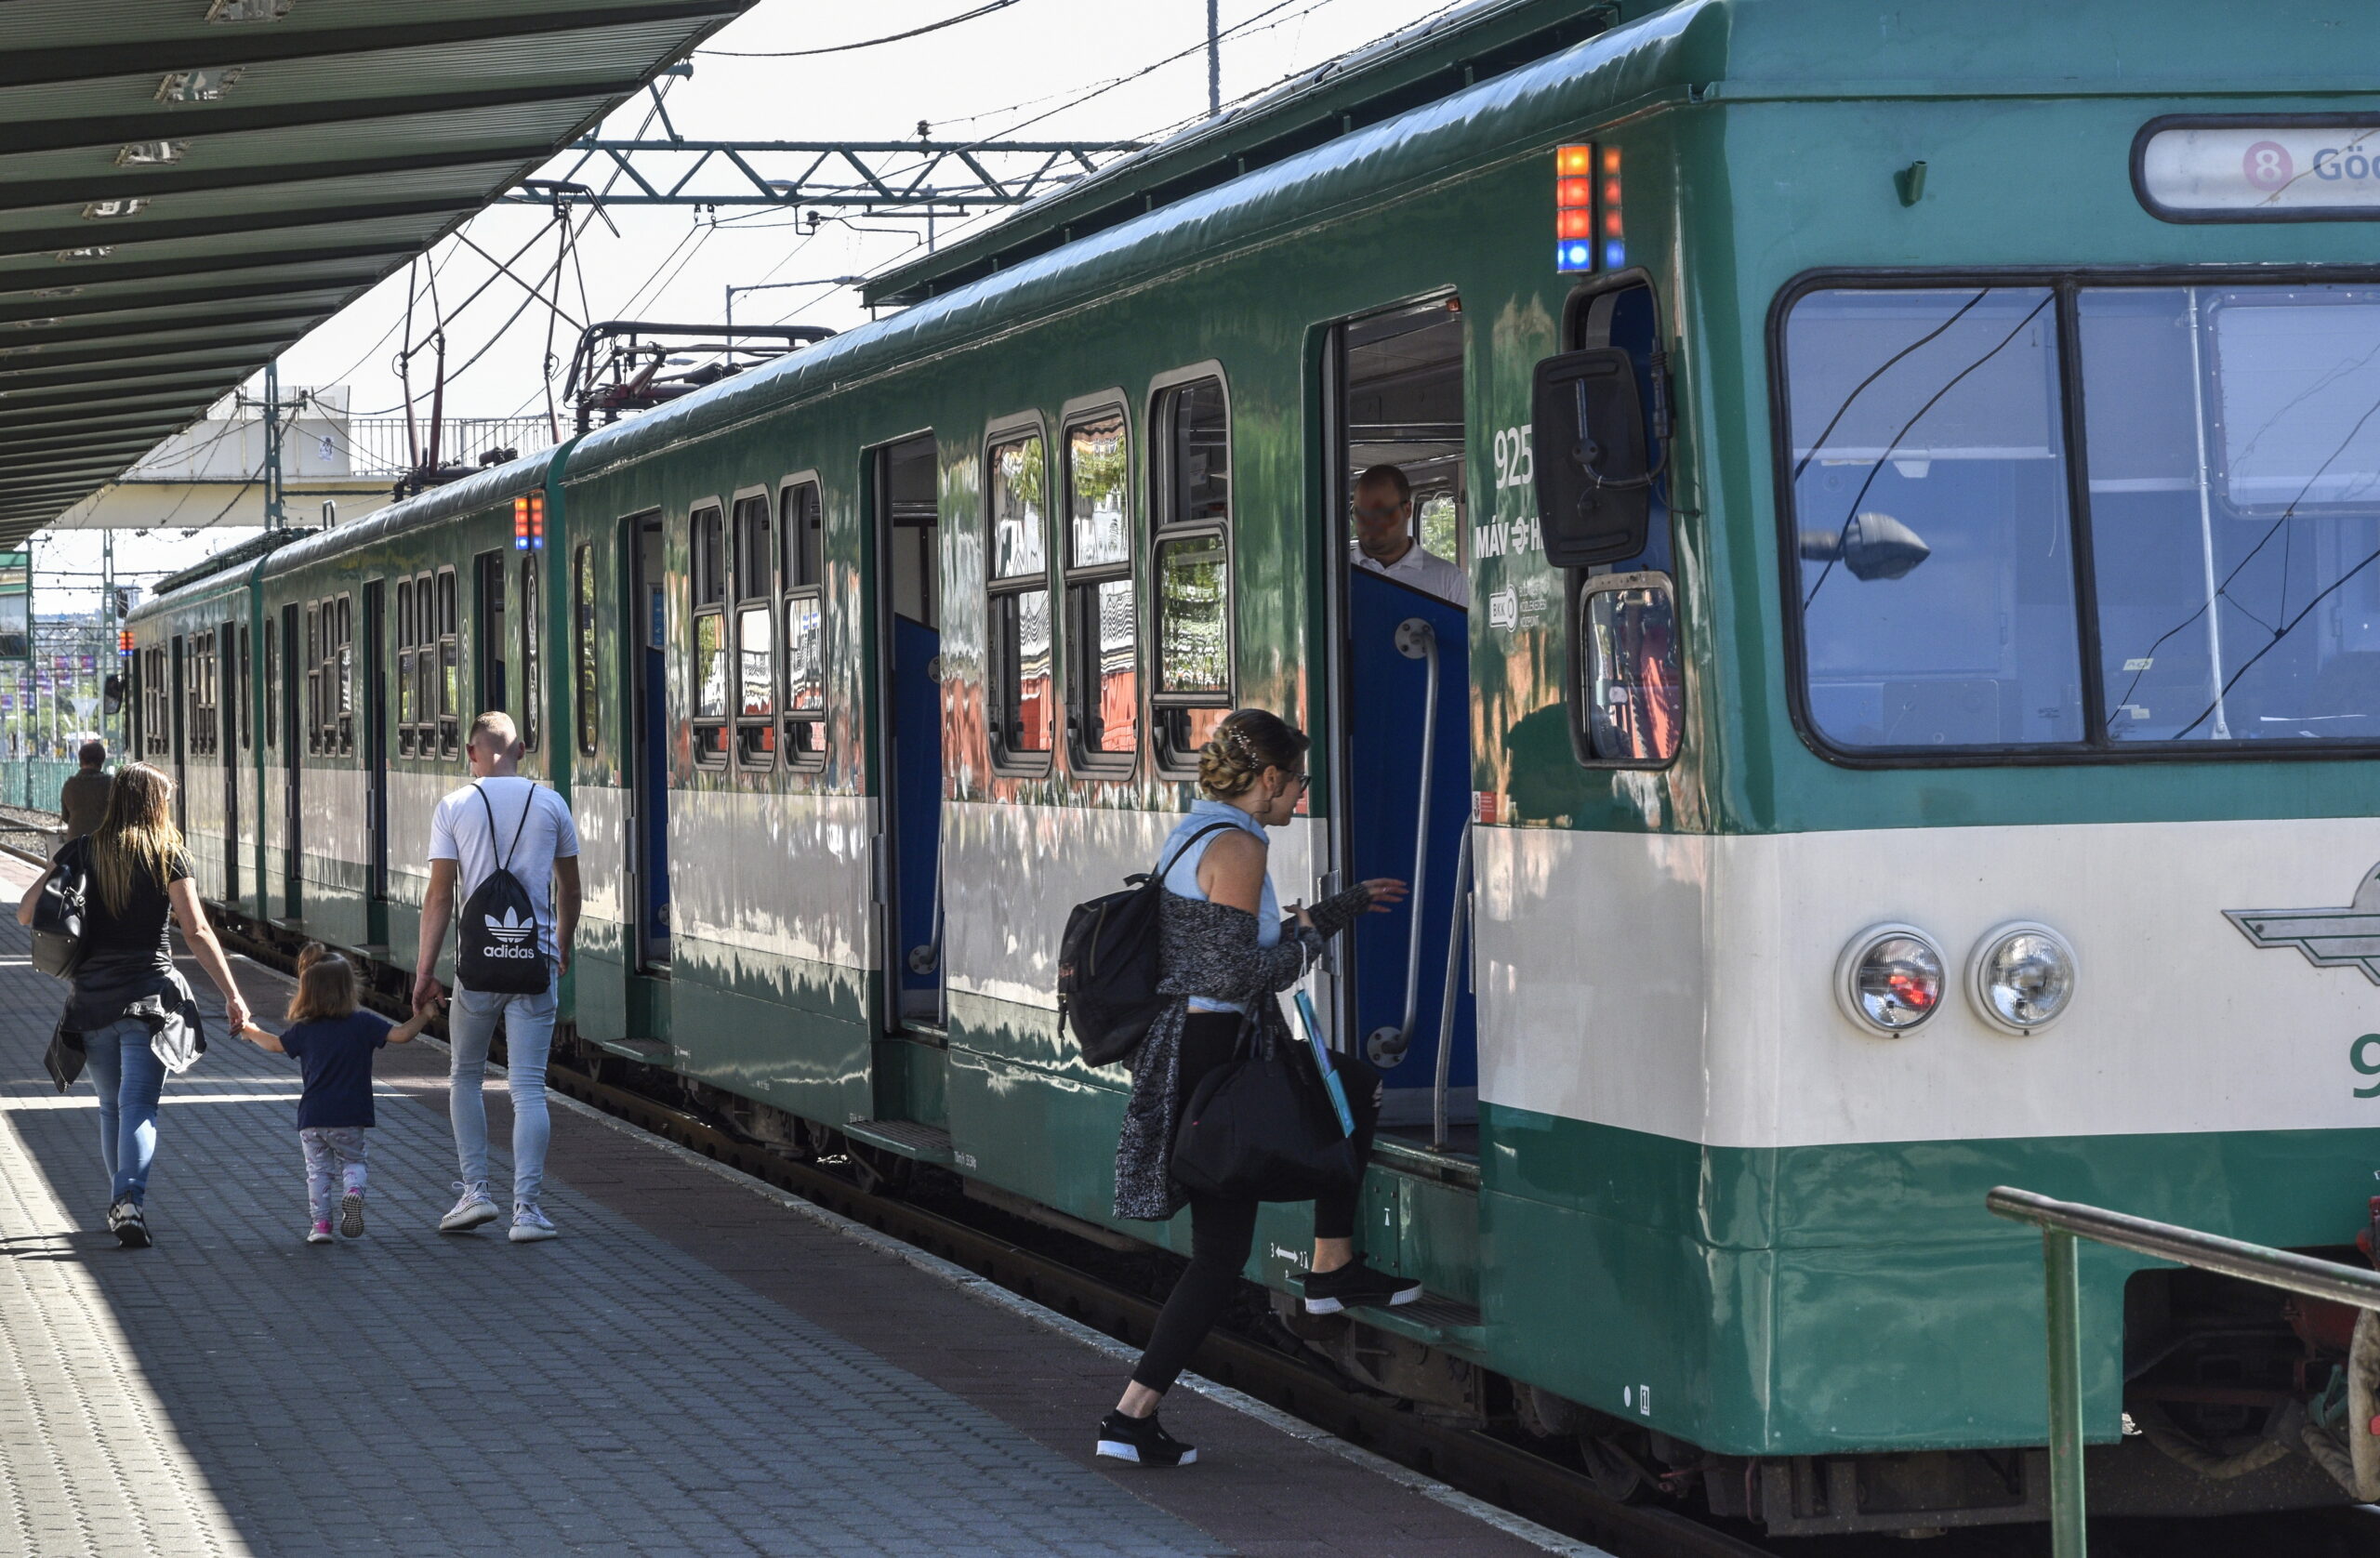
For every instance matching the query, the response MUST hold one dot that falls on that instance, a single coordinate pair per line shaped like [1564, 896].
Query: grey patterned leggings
[332, 1149]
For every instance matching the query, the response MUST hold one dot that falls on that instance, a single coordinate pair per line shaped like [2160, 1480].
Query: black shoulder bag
[497, 950]
[1260, 1129]
[57, 913]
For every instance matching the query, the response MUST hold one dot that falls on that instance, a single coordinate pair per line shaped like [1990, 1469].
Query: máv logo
[2329, 938]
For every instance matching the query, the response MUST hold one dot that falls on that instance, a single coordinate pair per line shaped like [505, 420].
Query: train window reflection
[1635, 688]
[711, 671]
[803, 731]
[1929, 490]
[1103, 645]
[1022, 690]
[2234, 434]
[1192, 598]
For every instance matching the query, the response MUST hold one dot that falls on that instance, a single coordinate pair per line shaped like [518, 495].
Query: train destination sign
[2298, 168]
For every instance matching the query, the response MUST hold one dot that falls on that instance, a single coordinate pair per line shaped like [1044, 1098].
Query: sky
[1026, 70]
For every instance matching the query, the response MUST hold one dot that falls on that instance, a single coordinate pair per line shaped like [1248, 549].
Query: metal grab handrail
[1416, 640]
[2061, 1223]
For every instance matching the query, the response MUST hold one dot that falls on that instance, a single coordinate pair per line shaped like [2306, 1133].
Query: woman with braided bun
[1226, 950]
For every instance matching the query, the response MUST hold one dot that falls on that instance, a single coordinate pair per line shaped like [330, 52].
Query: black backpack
[496, 949]
[57, 913]
[1108, 964]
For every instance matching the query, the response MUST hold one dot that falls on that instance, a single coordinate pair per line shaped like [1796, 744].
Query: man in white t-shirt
[1385, 542]
[539, 845]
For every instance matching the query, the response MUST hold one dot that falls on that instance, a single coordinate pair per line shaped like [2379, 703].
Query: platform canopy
[189, 186]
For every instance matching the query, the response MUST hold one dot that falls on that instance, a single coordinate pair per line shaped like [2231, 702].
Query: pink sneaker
[321, 1233]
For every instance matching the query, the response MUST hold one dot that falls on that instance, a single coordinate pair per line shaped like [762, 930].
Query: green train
[1872, 754]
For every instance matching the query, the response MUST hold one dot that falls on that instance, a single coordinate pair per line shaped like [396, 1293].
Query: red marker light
[1574, 224]
[1575, 192]
[1611, 159]
[1571, 160]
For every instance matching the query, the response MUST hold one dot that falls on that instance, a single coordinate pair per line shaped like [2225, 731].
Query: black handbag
[1260, 1129]
[57, 913]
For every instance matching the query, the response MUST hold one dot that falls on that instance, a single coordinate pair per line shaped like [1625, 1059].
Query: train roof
[1697, 51]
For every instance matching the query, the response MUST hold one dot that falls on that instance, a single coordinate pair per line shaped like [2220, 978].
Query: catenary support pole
[1214, 60]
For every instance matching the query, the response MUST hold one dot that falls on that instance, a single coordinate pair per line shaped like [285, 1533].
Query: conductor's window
[756, 670]
[449, 667]
[533, 685]
[711, 671]
[582, 656]
[1192, 569]
[1024, 701]
[1102, 645]
[805, 665]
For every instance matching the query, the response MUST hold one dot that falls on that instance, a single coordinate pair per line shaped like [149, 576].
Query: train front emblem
[2328, 938]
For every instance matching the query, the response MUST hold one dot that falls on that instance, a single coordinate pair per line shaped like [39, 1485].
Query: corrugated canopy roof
[189, 186]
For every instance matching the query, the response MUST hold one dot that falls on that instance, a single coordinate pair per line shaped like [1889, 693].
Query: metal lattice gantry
[871, 175]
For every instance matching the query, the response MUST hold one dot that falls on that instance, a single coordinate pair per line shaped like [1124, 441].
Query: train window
[242, 706]
[1103, 643]
[804, 585]
[2234, 458]
[449, 667]
[345, 666]
[425, 665]
[1191, 570]
[1022, 693]
[581, 659]
[158, 685]
[756, 668]
[194, 699]
[271, 685]
[532, 717]
[408, 712]
[710, 668]
[487, 633]
[1929, 483]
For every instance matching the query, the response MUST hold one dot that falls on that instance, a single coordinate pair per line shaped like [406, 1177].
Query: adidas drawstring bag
[497, 951]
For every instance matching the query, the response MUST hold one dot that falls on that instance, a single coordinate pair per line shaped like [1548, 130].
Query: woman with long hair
[1225, 952]
[131, 1012]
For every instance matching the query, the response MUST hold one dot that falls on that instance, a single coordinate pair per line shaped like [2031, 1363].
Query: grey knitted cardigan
[1206, 949]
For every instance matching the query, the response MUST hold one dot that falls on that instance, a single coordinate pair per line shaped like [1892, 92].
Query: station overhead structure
[872, 175]
[189, 186]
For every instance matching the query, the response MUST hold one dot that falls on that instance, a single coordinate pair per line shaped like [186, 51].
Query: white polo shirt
[1424, 569]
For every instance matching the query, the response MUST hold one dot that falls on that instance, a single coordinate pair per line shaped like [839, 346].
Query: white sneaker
[529, 1224]
[474, 1208]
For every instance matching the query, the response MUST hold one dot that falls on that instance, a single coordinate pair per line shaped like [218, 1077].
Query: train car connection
[1909, 757]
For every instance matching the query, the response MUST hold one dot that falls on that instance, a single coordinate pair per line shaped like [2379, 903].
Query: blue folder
[1322, 1063]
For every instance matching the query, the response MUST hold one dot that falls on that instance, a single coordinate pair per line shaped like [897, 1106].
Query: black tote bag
[1260, 1129]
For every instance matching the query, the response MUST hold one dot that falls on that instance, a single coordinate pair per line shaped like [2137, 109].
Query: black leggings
[1223, 1231]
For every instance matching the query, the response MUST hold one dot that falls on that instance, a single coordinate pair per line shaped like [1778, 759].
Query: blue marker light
[1574, 256]
[1615, 254]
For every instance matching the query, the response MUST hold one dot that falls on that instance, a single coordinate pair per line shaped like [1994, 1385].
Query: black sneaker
[1356, 1283]
[124, 1223]
[1141, 1441]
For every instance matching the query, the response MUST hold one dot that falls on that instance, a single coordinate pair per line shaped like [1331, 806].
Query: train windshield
[2230, 547]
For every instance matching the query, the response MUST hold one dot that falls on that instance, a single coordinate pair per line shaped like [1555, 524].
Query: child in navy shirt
[333, 1042]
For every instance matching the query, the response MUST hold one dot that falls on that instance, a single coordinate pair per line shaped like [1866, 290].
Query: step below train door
[1399, 733]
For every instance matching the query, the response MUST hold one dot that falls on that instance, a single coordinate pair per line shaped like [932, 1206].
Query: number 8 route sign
[2286, 169]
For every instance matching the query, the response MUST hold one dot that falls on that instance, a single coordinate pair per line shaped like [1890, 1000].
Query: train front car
[2028, 555]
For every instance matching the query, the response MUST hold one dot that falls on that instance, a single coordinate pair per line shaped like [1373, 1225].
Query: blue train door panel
[908, 550]
[1403, 726]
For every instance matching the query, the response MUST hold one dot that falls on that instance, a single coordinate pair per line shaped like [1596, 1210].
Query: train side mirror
[1873, 546]
[111, 696]
[1593, 490]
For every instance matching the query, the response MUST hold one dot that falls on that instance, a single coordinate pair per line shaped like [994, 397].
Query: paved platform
[694, 1368]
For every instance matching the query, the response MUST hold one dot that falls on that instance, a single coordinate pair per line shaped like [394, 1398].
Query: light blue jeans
[129, 1079]
[528, 1037]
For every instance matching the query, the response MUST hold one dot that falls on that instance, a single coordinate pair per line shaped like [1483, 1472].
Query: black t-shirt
[334, 1055]
[141, 928]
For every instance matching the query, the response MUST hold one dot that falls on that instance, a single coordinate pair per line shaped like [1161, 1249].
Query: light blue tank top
[1181, 876]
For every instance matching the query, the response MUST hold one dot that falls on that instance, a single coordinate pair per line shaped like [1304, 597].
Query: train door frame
[645, 542]
[293, 763]
[885, 734]
[1334, 844]
[230, 666]
[180, 696]
[373, 749]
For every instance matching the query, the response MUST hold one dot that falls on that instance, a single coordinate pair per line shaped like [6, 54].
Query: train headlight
[1889, 979]
[2021, 976]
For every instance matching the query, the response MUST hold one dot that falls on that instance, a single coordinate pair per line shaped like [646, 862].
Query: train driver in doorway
[1385, 542]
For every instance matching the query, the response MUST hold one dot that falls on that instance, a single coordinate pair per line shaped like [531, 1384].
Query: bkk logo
[2348, 937]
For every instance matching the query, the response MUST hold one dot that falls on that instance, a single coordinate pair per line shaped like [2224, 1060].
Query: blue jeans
[129, 1079]
[528, 1037]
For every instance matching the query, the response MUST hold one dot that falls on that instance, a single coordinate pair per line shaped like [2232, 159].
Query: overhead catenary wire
[864, 42]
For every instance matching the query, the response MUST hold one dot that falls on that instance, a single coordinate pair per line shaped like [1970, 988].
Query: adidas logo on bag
[497, 948]
[511, 930]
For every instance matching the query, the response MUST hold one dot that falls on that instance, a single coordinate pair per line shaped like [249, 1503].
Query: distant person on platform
[1385, 542]
[502, 817]
[82, 800]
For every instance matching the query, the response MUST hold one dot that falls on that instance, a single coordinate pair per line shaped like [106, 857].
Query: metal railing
[32, 784]
[381, 446]
[2061, 1223]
